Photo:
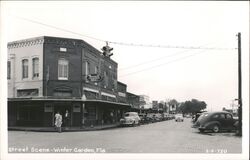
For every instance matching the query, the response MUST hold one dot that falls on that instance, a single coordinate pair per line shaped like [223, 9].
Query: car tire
[133, 124]
[216, 128]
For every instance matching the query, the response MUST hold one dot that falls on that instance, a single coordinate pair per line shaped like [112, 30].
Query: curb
[52, 129]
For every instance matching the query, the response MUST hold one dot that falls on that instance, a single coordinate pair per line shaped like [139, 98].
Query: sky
[208, 75]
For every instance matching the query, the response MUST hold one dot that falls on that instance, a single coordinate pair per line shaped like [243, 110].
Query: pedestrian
[67, 119]
[58, 121]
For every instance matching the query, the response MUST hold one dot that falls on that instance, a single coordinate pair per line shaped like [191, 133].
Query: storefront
[99, 112]
[40, 112]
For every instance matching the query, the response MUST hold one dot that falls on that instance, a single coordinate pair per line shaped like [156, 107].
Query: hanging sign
[94, 78]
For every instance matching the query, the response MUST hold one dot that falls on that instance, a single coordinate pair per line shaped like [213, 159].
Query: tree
[192, 106]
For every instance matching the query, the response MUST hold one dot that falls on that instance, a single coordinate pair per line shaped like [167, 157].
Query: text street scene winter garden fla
[142, 82]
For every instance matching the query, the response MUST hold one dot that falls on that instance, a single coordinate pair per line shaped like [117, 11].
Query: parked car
[166, 116]
[216, 121]
[130, 118]
[151, 117]
[143, 118]
[158, 117]
[179, 118]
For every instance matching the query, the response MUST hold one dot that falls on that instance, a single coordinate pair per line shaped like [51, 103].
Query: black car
[216, 121]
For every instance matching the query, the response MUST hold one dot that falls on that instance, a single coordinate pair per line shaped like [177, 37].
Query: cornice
[26, 42]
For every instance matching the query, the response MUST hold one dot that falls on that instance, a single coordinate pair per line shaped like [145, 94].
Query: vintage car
[179, 118]
[130, 118]
[143, 118]
[216, 122]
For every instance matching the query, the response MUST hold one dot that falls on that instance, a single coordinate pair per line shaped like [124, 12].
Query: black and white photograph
[124, 80]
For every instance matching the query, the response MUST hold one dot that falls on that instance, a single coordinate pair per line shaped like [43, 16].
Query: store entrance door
[62, 108]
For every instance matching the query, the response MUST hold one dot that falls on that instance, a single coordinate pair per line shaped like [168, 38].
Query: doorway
[62, 108]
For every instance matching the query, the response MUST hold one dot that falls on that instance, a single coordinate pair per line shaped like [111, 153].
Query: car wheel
[216, 129]
[133, 124]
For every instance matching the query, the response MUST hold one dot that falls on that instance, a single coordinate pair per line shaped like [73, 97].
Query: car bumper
[126, 122]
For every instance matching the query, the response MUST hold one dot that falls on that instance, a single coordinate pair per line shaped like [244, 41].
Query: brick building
[50, 74]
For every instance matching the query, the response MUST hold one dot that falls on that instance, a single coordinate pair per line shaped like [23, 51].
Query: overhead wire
[121, 43]
[159, 65]
[157, 59]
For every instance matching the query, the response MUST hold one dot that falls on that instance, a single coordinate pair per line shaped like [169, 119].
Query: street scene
[161, 137]
[125, 78]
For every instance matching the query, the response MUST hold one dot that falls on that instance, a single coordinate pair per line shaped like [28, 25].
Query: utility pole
[239, 84]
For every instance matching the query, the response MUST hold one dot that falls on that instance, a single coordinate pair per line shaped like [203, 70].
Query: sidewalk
[64, 129]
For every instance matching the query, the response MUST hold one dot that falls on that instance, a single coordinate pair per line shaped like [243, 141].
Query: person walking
[58, 121]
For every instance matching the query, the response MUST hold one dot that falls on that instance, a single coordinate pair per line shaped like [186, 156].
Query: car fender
[209, 125]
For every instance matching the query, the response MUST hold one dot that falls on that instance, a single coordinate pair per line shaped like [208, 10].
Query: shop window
[25, 68]
[91, 113]
[27, 92]
[35, 66]
[27, 113]
[63, 69]
[8, 70]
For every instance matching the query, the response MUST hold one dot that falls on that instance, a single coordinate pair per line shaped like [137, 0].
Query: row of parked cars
[133, 118]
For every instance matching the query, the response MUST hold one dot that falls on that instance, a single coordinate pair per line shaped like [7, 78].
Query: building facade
[51, 74]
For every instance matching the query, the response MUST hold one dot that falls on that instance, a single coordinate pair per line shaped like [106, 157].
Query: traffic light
[107, 50]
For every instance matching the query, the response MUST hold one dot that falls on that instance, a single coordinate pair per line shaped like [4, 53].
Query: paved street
[162, 137]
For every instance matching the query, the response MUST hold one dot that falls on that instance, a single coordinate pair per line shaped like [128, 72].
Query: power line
[122, 43]
[157, 59]
[146, 62]
[179, 59]
[61, 29]
[169, 46]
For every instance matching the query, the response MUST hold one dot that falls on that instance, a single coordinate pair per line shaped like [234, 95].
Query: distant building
[144, 102]
[133, 100]
[50, 74]
[155, 105]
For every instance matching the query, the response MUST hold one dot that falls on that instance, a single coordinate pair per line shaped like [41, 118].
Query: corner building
[50, 74]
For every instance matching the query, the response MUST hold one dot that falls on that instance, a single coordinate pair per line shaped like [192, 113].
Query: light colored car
[130, 118]
[179, 118]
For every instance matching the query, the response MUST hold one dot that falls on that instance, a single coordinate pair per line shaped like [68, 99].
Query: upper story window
[25, 68]
[87, 68]
[63, 69]
[8, 70]
[96, 69]
[35, 63]
[106, 80]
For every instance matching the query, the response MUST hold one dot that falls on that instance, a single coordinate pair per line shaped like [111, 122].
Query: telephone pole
[239, 85]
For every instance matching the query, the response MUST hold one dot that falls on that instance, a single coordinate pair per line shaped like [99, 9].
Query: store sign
[121, 94]
[94, 78]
